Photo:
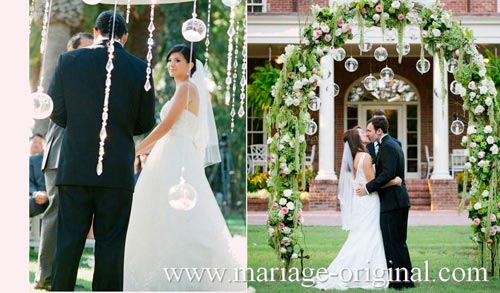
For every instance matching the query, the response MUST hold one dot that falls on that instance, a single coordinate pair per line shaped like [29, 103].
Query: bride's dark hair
[354, 140]
[185, 51]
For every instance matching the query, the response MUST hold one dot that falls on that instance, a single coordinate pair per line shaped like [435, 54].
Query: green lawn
[442, 246]
[236, 225]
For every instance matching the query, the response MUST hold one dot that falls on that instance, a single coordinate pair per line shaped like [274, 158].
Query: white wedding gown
[160, 238]
[362, 255]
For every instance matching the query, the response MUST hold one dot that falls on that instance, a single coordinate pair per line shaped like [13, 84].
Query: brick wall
[444, 195]
[457, 7]
[323, 195]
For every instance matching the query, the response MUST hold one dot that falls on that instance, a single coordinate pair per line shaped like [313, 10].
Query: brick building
[273, 24]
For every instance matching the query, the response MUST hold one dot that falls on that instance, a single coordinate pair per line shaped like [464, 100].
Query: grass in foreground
[441, 246]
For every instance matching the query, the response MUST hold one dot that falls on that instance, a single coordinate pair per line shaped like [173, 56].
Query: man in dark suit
[38, 199]
[77, 89]
[48, 234]
[372, 147]
[394, 202]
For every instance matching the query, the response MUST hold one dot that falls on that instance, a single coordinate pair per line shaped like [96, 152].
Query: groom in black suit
[77, 90]
[394, 202]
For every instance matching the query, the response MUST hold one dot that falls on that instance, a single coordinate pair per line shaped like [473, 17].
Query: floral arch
[302, 77]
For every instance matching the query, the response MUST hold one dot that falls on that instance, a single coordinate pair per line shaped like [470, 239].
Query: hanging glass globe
[92, 2]
[454, 88]
[370, 82]
[423, 66]
[339, 54]
[325, 75]
[351, 64]
[406, 48]
[452, 65]
[380, 54]
[42, 105]
[386, 74]
[457, 127]
[312, 127]
[365, 46]
[231, 3]
[336, 89]
[182, 196]
[314, 104]
[194, 30]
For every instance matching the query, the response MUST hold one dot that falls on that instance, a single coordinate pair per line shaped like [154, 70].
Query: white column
[326, 122]
[440, 123]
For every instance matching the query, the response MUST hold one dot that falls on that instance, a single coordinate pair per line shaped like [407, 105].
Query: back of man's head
[379, 113]
[76, 41]
[104, 23]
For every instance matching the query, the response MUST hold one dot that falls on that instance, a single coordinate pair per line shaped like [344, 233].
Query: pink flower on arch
[363, 10]
[275, 206]
[328, 37]
[401, 16]
[284, 210]
[340, 23]
[378, 8]
[290, 74]
[281, 225]
[489, 241]
[315, 70]
[476, 221]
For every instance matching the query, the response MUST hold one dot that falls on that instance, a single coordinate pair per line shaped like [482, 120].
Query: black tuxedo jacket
[389, 164]
[53, 148]
[77, 89]
[37, 183]
[371, 149]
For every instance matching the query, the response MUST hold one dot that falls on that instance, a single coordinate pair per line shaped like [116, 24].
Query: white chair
[310, 158]
[430, 162]
[457, 161]
[258, 156]
[249, 164]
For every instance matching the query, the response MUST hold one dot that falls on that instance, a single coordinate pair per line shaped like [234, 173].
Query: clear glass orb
[366, 46]
[454, 88]
[386, 74]
[336, 89]
[338, 54]
[314, 104]
[92, 2]
[194, 30]
[182, 196]
[42, 105]
[230, 3]
[380, 54]
[351, 64]
[370, 82]
[452, 65]
[406, 48]
[423, 66]
[326, 74]
[457, 127]
[312, 128]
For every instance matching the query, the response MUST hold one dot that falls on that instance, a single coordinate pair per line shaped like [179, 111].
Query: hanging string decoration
[42, 103]
[243, 80]
[230, 33]
[207, 40]
[149, 56]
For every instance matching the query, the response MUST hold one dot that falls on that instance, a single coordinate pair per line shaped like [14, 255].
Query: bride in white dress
[361, 261]
[161, 238]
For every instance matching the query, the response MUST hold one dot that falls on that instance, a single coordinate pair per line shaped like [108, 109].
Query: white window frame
[251, 4]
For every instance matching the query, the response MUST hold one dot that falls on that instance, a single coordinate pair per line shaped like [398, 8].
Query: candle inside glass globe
[386, 74]
[454, 87]
[370, 82]
[351, 64]
[339, 54]
[423, 66]
[182, 196]
[314, 104]
[194, 30]
[452, 65]
[380, 54]
[457, 127]
[42, 105]
[312, 127]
